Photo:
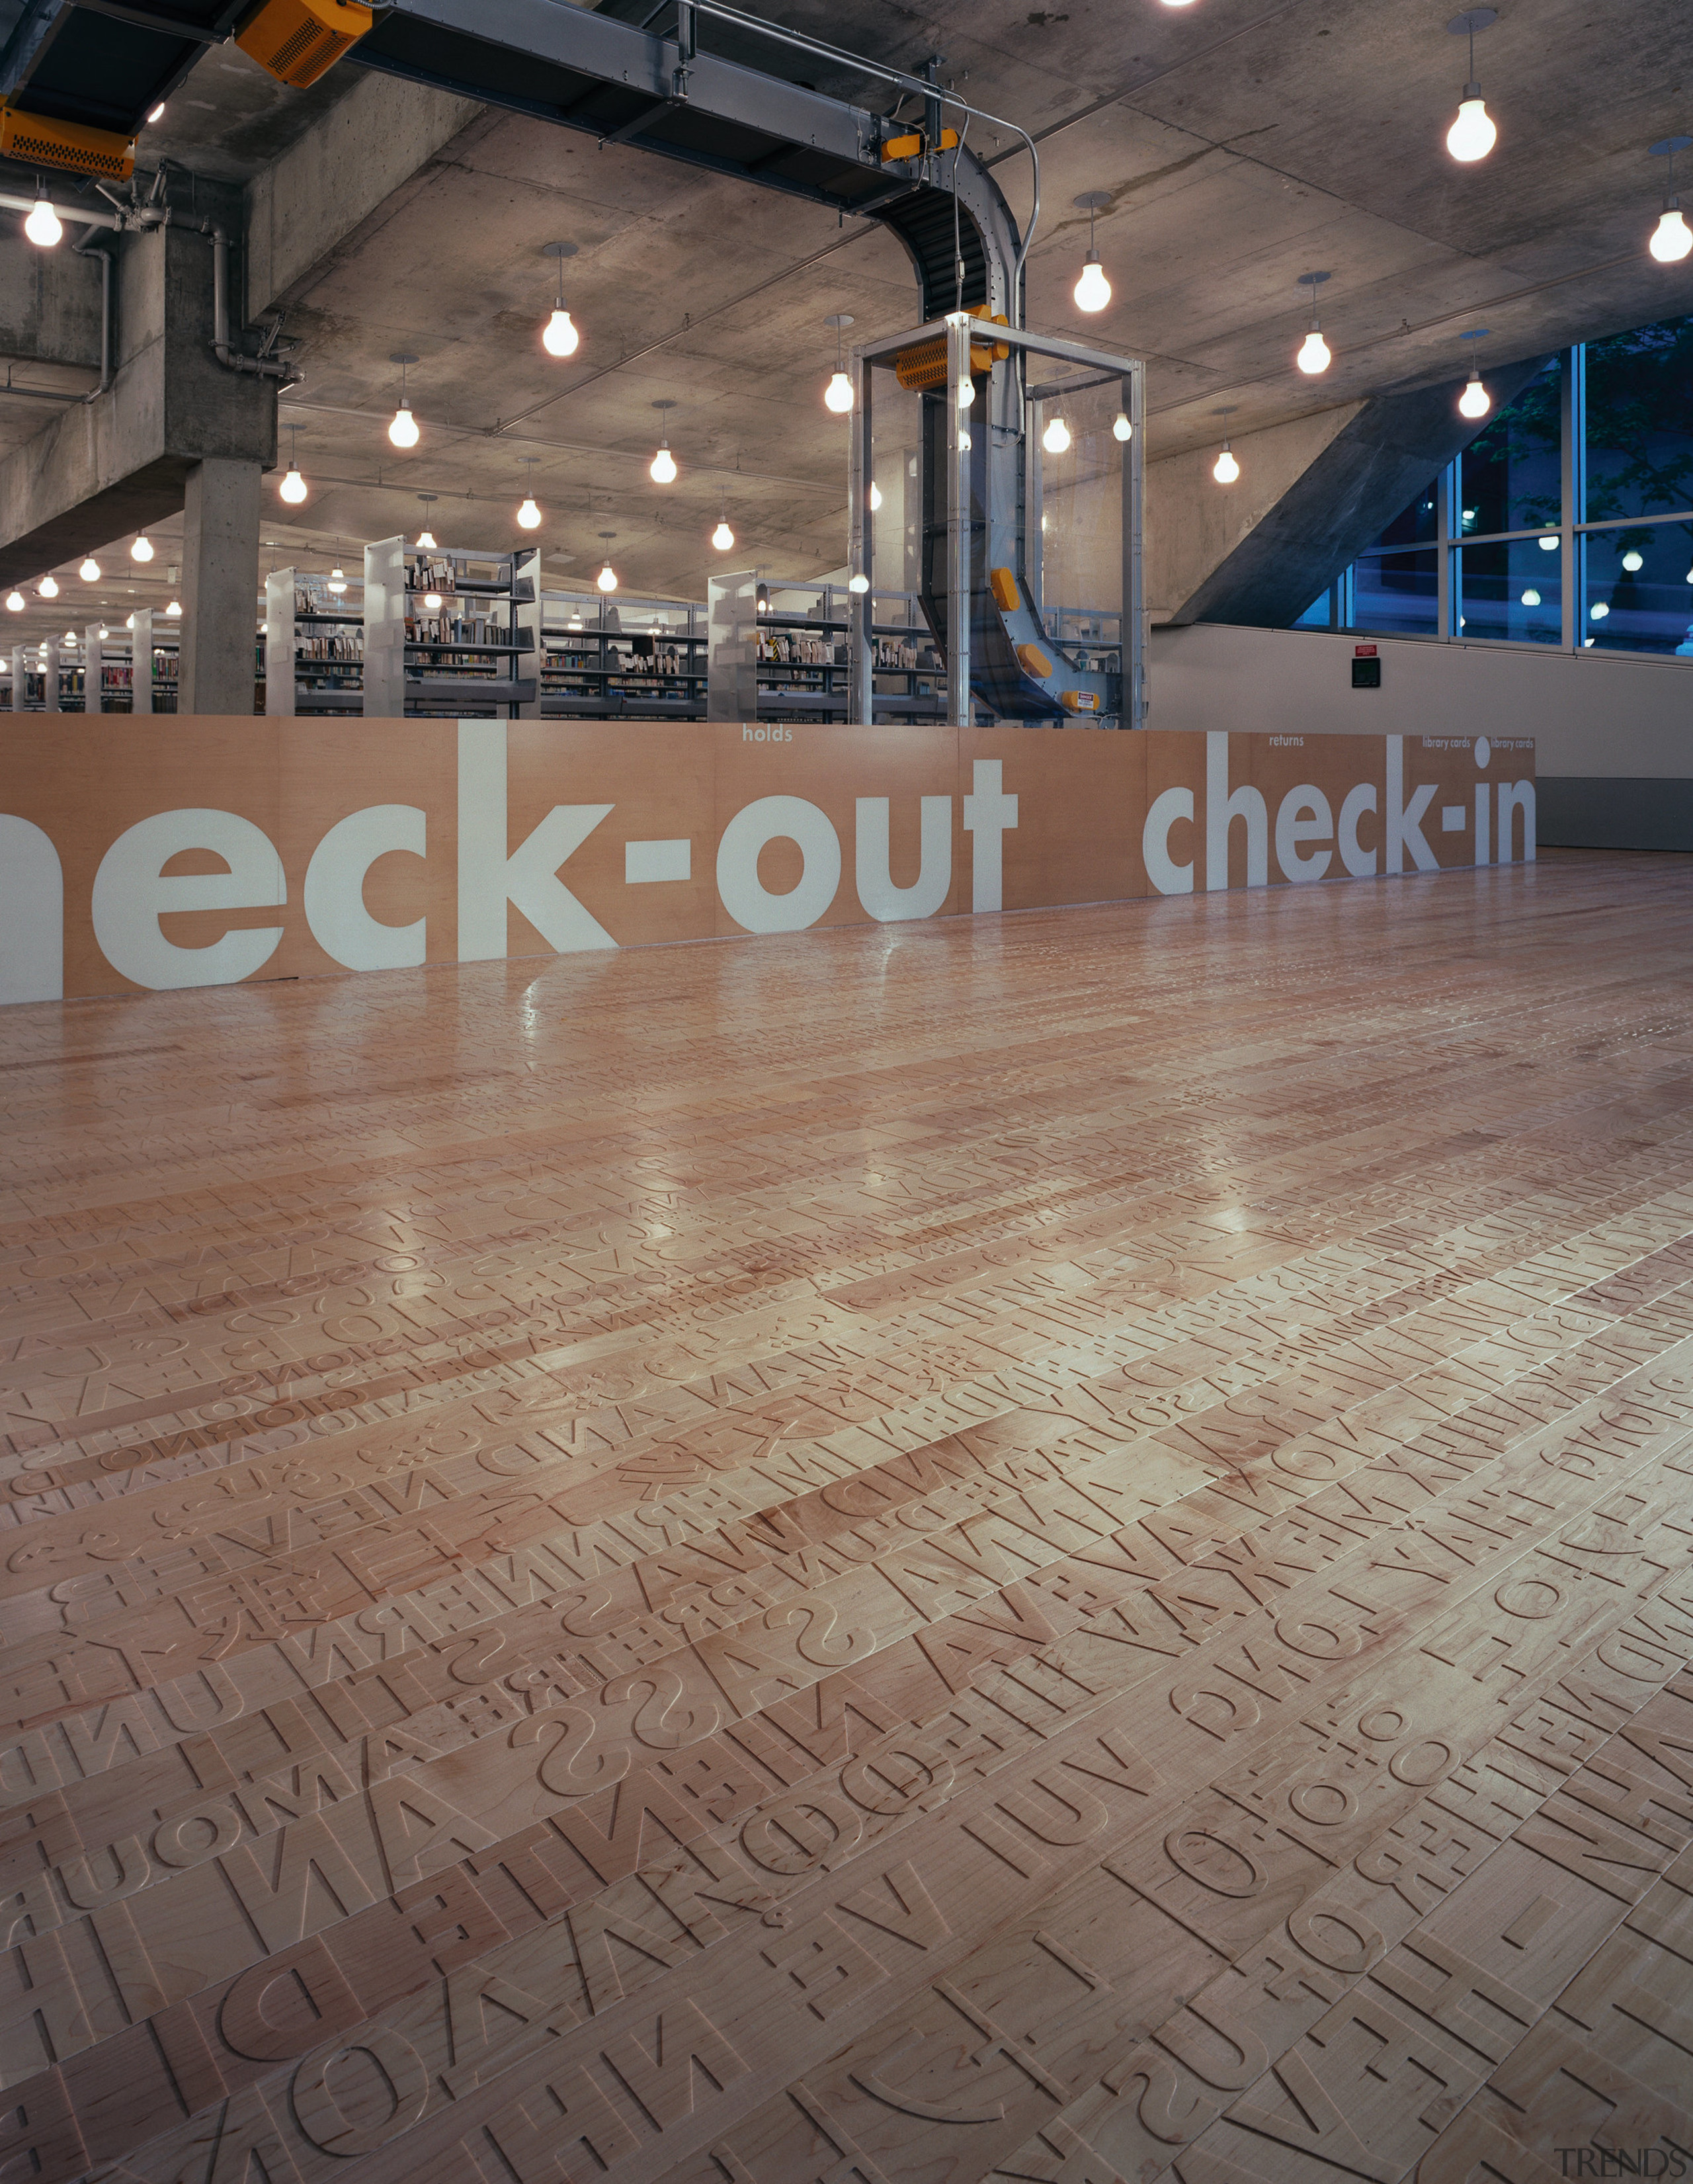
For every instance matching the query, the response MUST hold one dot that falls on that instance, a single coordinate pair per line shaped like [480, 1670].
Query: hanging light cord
[957, 250]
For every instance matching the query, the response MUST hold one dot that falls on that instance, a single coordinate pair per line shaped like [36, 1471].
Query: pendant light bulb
[1633, 561]
[837, 394]
[859, 583]
[1056, 436]
[1225, 469]
[43, 226]
[129, 622]
[48, 587]
[175, 610]
[14, 602]
[607, 578]
[143, 548]
[89, 571]
[1671, 238]
[1093, 291]
[1475, 401]
[337, 581]
[529, 516]
[431, 602]
[875, 495]
[292, 489]
[402, 431]
[559, 337]
[723, 537]
[426, 541]
[1314, 356]
[1472, 136]
[662, 468]
[1121, 427]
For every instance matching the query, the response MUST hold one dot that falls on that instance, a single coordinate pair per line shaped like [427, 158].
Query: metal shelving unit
[464, 657]
[313, 645]
[606, 658]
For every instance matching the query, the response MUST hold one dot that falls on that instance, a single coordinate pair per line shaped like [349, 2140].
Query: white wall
[1596, 716]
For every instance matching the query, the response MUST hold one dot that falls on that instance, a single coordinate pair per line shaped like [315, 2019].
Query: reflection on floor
[1054, 1548]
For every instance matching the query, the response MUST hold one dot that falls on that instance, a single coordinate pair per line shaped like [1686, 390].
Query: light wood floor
[1053, 1547]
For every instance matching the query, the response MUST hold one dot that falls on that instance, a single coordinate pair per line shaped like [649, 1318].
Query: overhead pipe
[149, 216]
[86, 249]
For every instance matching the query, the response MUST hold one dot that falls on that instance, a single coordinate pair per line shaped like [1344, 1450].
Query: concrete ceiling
[1240, 144]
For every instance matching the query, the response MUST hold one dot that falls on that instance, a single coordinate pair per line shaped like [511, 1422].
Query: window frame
[1573, 531]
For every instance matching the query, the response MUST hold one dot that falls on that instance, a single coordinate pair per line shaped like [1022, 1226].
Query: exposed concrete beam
[317, 196]
[1311, 496]
[123, 461]
[49, 302]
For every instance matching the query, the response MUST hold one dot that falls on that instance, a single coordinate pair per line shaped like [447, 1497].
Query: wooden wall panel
[1032, 818]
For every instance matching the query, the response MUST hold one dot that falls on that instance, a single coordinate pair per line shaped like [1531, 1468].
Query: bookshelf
[466, 656]
[314, 644]
[603, 657]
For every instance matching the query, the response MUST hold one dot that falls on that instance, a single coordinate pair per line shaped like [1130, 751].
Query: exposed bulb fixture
[859, 583]
[662, 468]
[431, 602]
[403, 430]
[529, 514]
[559, 337]
[174, 610]
[1225, 469]
[129, 622]
[157, 115]
[1671, 238]
[292, 489]
[1475, 401]
[1121, 427]
[837, 394]
[89, 571]
[875, 495]
[607, 578]
[426, 538]
[48, 586]
[1632, 560]
[14, 602]
[1597, 611]
[1548, 543]
[1314, 356]
[71, 637]
[43, 226]
[1092, 292]
[723, 537]
[1056, 436]
[1472, 136]
[141, 549]
[337, 581]
[1531, 598]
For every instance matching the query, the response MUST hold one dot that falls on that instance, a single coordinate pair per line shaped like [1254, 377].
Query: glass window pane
[1511, 473]
[1316, 616]
[1397, 593]
[1415, 525]
[1512, 591]
[1639, 421]
[1639, 589]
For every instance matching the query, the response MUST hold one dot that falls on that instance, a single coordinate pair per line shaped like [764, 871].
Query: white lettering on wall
[491, 875]
[31, 914]
[131, 893]
[334, 892]
[744, 895]
[876, 892]
[987, 813]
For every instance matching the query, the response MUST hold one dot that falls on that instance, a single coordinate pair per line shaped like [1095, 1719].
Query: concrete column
[220, 523]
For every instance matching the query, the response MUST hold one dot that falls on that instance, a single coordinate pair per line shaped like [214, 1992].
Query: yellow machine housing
[298, 40]
[923, 367]
[40, 141]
